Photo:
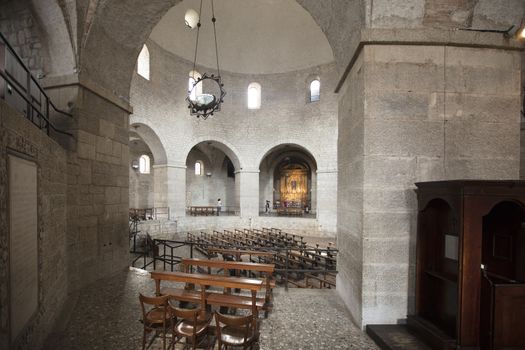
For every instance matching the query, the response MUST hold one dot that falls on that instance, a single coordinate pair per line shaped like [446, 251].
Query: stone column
[176, 189]
[160, 185]
[247, 192]
[327, 199]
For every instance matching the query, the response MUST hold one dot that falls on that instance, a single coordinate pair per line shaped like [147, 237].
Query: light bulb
[191, 18]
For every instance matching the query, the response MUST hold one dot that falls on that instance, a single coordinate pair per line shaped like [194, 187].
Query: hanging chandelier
[206, 103]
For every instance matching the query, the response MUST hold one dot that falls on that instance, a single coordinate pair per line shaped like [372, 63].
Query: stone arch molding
[230, 150]
[295, 143]
[153, 141]
[120, 28]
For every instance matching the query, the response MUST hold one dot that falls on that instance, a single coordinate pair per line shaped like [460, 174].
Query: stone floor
[106, 316]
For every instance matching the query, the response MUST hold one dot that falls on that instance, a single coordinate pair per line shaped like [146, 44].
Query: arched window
[144, 164]
[198, 168]
[315, 90]
[254, 96]
[193, 77]
[143, 63]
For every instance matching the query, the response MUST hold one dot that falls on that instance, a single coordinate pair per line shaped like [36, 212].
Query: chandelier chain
[197, 42]
[213, 19]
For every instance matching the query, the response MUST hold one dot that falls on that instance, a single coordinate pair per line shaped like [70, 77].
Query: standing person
[219, 205]
[267, 206]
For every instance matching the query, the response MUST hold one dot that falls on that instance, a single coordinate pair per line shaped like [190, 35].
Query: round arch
[292, 146]
[153, 141]
[110, 31]
[218, 143]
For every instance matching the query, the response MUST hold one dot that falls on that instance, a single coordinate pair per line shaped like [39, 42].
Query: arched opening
[254, 96]
[194, 90]
[141, 175]
[287, 182]
[143, 63]
[315, 90]
[147, 176]
[210, 176]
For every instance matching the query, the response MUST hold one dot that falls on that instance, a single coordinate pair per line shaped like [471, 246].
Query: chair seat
[185, 328]
[235, 336]
[156, 316]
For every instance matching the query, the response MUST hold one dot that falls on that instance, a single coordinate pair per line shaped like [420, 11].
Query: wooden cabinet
[470, 275]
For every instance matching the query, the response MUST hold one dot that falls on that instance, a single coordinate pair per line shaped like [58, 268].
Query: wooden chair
[156, 317]
[191, 324]
[236, 331]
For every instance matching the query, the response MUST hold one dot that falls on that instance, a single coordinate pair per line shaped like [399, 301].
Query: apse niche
[287, 183]
[210, 176]
[141, 179]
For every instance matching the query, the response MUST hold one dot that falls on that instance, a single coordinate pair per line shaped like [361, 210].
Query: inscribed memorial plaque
[23, 243]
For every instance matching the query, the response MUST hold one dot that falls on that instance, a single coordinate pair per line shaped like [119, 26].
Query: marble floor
[106, 316]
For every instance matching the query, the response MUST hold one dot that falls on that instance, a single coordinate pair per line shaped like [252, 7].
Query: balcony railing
[23, 92]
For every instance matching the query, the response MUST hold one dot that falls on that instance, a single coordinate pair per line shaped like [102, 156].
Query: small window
[143, 63]
[254, 96]
[315, 89]
[194, 92]
[198, 168]
[144, 164]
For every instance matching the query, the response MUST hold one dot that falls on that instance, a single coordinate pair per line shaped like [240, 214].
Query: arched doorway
[210, 177]
[287, 182]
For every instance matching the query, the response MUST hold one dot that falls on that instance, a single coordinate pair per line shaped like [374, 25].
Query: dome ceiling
[254, 36]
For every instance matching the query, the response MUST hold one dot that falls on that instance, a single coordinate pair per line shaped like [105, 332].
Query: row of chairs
[162, 318]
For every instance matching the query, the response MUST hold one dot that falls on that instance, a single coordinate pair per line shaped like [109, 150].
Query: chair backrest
[188, 315]
[242, 322]
[154, 302]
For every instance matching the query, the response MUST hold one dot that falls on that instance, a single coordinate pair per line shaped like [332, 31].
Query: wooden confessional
[470, 275]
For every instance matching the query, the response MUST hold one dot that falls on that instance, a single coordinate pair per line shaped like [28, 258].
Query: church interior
[266, 174]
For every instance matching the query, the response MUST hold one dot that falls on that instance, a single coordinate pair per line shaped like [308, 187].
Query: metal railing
[15, 77]
[162, 253]
[156, 213]
[295, 214]
[212, 211]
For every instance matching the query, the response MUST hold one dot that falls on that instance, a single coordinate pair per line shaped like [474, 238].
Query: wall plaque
[23, 243]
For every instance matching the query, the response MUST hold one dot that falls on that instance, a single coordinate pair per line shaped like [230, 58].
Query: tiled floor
[106, 316]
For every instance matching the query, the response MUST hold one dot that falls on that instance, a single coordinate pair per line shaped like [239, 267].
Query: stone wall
[19, 26]
[350, 189]
[205, 190]
[19, 135]
[430, 113]
[141, 186]
[285, 117]
[98, 192]
[167, 230]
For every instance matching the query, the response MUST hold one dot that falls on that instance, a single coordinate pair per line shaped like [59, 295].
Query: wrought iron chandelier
[203, 104]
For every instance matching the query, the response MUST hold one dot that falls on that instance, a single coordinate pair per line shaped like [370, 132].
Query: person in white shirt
[219, 205]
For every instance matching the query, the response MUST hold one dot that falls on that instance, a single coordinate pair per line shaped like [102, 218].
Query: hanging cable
[213, 19]
[197, 44]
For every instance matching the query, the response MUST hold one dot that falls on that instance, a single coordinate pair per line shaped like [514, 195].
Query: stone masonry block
[403, 138]
[86, 151]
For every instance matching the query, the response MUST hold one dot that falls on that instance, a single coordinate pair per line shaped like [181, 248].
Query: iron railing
[161, 253]
[156, 213]
[15, 77]
[212, 211]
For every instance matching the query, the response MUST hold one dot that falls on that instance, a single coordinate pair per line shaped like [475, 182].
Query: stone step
[395, 337]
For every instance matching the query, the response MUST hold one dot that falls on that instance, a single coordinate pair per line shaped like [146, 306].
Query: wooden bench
[266, 269]
[206, 297]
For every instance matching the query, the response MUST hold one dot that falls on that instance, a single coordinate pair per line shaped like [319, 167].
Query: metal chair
[156, 317]
[236, 331]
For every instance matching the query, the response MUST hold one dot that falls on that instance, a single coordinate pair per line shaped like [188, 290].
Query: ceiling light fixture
[205, 104]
